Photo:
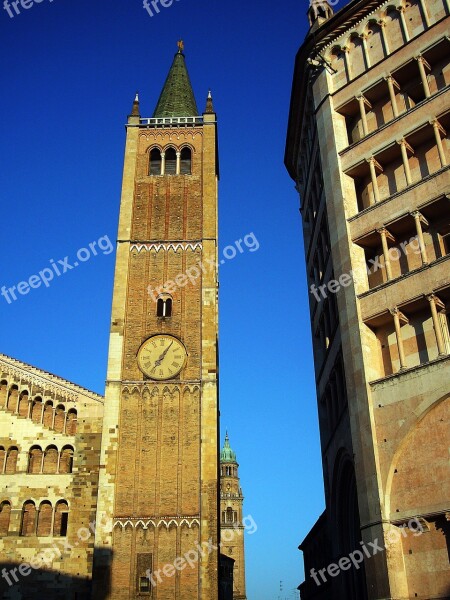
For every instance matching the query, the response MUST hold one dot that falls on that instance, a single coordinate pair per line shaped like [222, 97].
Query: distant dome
[227, 454]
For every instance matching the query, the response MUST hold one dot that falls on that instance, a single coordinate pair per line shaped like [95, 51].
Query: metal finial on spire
[180, 45]
[136, 99]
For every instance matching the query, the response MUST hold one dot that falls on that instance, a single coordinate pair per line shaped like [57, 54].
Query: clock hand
[161, 358]
[163, 355]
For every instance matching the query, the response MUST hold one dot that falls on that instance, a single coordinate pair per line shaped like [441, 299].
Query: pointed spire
[177, 97]
[135, 110]
[209, 104]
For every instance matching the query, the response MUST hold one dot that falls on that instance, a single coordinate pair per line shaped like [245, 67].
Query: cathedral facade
[117, 497]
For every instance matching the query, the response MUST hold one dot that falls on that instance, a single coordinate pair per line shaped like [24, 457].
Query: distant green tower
[231, 516]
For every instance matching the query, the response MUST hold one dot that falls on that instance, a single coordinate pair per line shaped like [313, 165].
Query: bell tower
[158, 484]
[231, 520]
[319, 11]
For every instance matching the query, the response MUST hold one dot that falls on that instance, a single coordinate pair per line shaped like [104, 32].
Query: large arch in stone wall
[417, 493]
[345, 522]
[420, 464]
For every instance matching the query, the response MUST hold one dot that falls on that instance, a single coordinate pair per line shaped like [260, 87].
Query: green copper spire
[227, 454]
[177, 98]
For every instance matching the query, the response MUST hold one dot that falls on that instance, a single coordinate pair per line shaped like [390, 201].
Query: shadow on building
[226, 565]
[18, 581]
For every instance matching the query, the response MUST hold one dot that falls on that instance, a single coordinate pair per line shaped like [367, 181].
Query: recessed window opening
[155, 162]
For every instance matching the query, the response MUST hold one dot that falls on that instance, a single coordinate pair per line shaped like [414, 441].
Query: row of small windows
[229, 516]
[170, 162]
[42, 522]
[50, 461]
[35, 409]
[228, 471]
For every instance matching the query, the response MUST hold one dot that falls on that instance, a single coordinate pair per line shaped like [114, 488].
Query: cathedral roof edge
[34, 372]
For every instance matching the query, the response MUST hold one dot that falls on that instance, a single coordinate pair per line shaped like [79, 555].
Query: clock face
[162, 357]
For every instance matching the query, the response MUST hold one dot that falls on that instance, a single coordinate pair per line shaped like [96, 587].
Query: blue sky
[70, 69]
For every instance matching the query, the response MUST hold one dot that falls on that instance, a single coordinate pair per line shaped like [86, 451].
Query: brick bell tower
[231, 522]
[159, 463]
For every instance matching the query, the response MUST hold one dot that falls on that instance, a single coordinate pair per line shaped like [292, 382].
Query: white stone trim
[156, 523]
[166, 246]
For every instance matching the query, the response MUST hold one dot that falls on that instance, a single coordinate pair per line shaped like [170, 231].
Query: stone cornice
[23, 372]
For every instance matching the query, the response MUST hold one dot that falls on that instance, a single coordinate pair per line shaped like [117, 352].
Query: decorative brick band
[175, 246]
[166, 522]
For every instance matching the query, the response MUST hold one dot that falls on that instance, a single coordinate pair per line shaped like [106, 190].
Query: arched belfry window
[186, 161]
[171, 162]
[164, 306]
[155, 162]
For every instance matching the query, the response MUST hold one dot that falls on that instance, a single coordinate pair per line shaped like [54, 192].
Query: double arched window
[164, 306]
[170, 161]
